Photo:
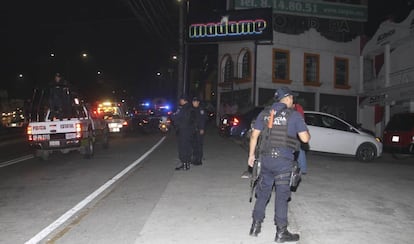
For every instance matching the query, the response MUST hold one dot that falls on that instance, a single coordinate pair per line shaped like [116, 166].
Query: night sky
[127, 40]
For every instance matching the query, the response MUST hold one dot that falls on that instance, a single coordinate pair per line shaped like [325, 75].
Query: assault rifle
[254, 178]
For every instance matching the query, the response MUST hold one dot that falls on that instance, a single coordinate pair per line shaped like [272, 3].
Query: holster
[295, 176]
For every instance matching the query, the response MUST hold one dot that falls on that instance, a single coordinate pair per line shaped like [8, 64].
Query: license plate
[395, 139]
[54, 143]
[116, 130]
[224, 121]
[70, 136]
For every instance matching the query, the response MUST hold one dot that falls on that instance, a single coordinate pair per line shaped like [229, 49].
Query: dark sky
[127, 40]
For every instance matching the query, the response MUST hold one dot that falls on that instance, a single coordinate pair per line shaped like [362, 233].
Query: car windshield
[401, 122]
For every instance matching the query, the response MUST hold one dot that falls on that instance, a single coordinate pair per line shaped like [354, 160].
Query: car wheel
[366, 152]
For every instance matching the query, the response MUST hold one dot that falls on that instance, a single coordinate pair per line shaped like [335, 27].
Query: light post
[182, 51]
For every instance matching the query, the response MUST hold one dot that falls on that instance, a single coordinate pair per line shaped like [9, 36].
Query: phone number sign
[309, 8]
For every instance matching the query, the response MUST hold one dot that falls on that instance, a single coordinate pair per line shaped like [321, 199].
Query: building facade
[316, 55]
[387, 63]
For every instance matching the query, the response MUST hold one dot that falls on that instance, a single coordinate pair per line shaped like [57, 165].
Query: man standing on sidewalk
[198, 138]
[279, 128]
[183, 120]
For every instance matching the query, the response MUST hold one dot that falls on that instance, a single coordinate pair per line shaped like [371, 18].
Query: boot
[180, 167]
[256, 228]
[187, 166]
[283, 235]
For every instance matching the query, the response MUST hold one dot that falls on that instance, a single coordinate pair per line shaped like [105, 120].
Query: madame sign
[233, 26]
[228, 28]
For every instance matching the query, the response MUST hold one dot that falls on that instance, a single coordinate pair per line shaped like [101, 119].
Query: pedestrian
[183, 121]
[279, 128]
[301, 155]
[200, 118]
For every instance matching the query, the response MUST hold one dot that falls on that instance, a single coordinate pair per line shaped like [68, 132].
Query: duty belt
[275, 153]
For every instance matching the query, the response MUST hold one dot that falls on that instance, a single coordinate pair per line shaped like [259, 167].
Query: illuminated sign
[233, 26]
[318, 9]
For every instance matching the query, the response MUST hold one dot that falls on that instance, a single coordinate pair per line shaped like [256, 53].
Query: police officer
[200, 118]
[183, 120]
[59, 97]
[278, 127]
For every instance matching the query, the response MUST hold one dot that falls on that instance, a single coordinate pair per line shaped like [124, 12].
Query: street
[340, 200]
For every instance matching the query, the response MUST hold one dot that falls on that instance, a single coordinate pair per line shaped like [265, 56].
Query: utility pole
[180, 73]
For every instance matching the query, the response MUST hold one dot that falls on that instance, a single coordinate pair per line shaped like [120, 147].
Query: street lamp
[84, 55]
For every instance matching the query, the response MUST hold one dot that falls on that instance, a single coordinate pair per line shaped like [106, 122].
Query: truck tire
[105, 138]
[89, 149]
[43, 154]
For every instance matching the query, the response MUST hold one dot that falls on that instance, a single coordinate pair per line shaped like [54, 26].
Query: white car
[331, 134]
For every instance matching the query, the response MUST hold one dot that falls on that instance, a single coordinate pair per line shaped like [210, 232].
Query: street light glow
[52, 55]
[158, 73]
[20, 75]
[84, 55]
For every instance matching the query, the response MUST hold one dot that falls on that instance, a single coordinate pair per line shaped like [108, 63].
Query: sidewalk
[209, 203]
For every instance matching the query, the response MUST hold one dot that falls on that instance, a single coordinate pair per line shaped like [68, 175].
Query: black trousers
[198, 147]
[184, 138]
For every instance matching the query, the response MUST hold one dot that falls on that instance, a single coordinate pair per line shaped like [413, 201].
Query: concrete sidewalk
[209, 203]
[339, 201]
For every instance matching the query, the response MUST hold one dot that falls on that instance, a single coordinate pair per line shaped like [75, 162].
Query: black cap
[284, 91]
[196, 99]
[184, 97]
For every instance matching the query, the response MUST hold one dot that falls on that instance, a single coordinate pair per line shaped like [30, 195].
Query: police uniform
[276, 155]
[184, 125]
[200, 118]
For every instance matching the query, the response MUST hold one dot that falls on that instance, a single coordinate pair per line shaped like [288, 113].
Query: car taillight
[236, 121]
[30, 133]
[125, 123]
[78, 130]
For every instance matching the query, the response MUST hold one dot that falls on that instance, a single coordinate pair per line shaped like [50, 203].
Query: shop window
[341, 73]
[311, 70]
[281, 67]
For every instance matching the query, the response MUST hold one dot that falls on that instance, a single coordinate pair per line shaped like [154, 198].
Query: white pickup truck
[79, 131]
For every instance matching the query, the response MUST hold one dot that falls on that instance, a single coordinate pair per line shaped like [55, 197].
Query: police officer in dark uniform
[59, 97]
[183, 120]
[279, 128]
[198, 138]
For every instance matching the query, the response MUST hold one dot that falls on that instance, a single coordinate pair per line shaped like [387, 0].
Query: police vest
[275, 134]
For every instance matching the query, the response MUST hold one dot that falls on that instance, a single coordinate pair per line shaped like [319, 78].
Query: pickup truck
[78, 131]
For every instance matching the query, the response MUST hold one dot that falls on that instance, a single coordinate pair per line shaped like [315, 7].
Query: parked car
[236, 125]
[399, 133]
[331, 134]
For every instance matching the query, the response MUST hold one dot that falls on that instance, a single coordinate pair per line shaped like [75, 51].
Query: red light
[125, 123]
[236, 121]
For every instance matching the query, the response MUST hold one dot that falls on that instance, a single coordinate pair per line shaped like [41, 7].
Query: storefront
[388, 73]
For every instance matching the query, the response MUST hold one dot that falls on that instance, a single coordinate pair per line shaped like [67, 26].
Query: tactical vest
[275, 134]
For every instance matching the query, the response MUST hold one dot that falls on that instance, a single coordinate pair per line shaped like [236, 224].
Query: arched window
[244, 71]
[227, 68]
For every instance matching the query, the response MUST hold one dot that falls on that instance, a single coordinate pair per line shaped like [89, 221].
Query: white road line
[16, 160]
[69, 214]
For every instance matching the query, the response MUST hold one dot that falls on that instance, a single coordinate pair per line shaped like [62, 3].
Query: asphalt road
[34, 193]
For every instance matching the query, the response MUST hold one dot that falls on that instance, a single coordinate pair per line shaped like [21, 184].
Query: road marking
[16, 160]
[70, 213]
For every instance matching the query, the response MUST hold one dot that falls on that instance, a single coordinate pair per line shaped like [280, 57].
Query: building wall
[297, 45]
